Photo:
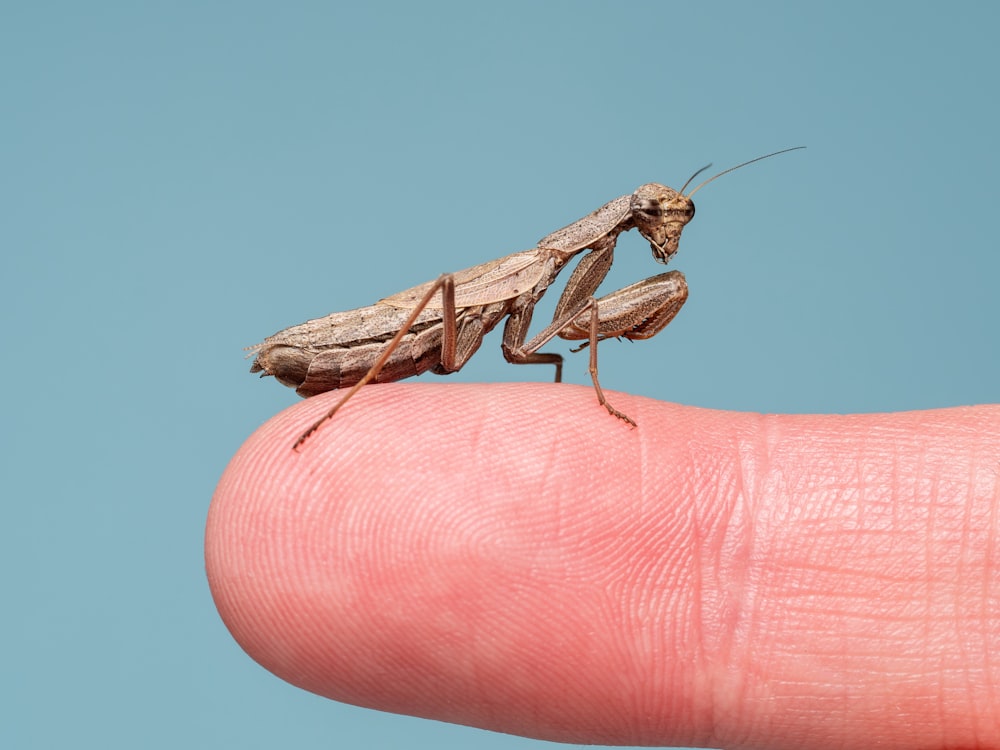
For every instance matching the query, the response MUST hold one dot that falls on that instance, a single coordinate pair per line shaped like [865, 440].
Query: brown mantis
[439, 325]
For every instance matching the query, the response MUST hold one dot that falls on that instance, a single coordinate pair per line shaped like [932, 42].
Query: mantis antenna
[731, 169]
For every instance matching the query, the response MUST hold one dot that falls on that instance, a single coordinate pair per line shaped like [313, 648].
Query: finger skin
[511, 557]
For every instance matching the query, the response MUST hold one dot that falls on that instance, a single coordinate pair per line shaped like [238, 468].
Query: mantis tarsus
[439, 325]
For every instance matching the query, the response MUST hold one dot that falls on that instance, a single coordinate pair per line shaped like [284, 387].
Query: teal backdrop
[179, 180]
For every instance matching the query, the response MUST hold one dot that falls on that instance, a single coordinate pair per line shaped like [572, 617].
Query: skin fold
[510, 557]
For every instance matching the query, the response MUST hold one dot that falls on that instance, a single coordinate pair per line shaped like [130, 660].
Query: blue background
[179, 180]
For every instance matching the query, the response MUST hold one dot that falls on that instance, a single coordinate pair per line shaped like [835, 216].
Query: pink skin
[511, 557]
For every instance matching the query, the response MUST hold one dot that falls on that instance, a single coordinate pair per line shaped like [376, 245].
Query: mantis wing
[496, 281]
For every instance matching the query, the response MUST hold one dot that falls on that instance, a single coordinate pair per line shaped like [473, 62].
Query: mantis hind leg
[446, 283]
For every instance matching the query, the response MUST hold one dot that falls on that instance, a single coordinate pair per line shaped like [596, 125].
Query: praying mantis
[439, 325]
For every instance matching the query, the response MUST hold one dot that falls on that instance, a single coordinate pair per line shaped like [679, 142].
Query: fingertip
[418, 523]
[513, 557]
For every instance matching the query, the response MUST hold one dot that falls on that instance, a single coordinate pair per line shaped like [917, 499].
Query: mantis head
[660, 213]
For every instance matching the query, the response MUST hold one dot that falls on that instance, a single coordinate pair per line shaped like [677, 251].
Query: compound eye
[685, 213]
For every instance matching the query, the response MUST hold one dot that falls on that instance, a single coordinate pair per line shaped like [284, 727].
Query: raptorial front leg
[639, 311]
[519, 352]
[574, 300]
[586, 277]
